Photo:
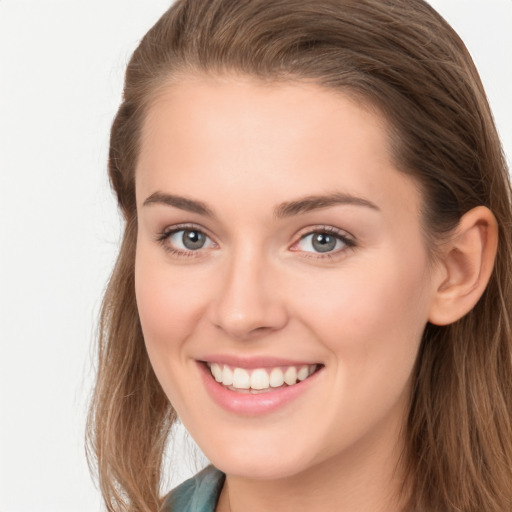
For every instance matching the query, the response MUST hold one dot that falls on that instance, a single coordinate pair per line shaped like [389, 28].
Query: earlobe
[467, 262]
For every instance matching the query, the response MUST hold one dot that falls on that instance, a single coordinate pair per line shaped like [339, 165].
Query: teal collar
[197, 494]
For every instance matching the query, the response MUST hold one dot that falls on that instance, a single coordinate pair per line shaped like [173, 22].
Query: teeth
[290, 376]
[216, 372]
[227, 376]
[260, 378]
[303, 373]
[241, 379]
[276, 378]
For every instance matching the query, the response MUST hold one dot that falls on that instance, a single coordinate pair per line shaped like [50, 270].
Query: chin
[260, 462]
[257, 470]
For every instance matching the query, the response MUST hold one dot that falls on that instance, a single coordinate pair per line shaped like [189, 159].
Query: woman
[315, 274]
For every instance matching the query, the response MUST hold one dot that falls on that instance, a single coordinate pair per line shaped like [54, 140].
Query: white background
[61, 69]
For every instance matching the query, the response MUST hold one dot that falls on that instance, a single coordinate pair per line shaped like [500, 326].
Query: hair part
[401, 57]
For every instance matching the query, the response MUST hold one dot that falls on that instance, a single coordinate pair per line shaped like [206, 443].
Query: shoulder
[197, 494]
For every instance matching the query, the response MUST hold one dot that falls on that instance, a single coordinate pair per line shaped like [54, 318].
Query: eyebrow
[310, 203]
[183, 203]
[286, 209]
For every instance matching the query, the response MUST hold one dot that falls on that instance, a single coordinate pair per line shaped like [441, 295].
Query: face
[282, 279]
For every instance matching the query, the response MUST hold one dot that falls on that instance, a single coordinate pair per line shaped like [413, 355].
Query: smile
[258, 386]
[260, 380]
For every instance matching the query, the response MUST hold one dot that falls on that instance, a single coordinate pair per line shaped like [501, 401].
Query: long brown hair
[404, 59]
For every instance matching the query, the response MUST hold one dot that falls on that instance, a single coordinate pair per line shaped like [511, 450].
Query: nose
[248, 303]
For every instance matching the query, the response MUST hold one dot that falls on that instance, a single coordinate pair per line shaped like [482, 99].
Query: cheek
[169, 303]
[371, 317]
[170, 306]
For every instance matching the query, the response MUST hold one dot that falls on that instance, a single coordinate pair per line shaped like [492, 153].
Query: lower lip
[253, 404]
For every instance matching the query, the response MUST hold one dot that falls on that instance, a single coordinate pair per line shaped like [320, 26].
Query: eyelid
[325, 228]
[169, 230]
[164, 235]
[346, 238]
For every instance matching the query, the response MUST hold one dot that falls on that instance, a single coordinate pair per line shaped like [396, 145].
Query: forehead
[236, 105]
[247, 137]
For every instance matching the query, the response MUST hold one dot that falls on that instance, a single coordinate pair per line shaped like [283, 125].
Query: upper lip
[254, 362]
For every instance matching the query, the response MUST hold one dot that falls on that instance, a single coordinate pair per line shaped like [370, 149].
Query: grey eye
[188, 239]
[323, 242]
[193, 239]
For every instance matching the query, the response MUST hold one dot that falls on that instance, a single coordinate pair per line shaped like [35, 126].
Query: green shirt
[197, 494]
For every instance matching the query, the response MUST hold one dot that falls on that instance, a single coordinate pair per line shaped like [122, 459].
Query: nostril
[260, 330]
[245, 334]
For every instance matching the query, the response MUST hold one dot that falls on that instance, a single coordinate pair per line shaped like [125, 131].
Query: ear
[466, 265]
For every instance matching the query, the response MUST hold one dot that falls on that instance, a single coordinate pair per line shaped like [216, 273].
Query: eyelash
[347, 240]
[164, 236]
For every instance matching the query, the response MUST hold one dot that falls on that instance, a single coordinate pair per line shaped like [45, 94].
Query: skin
[259, 288]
